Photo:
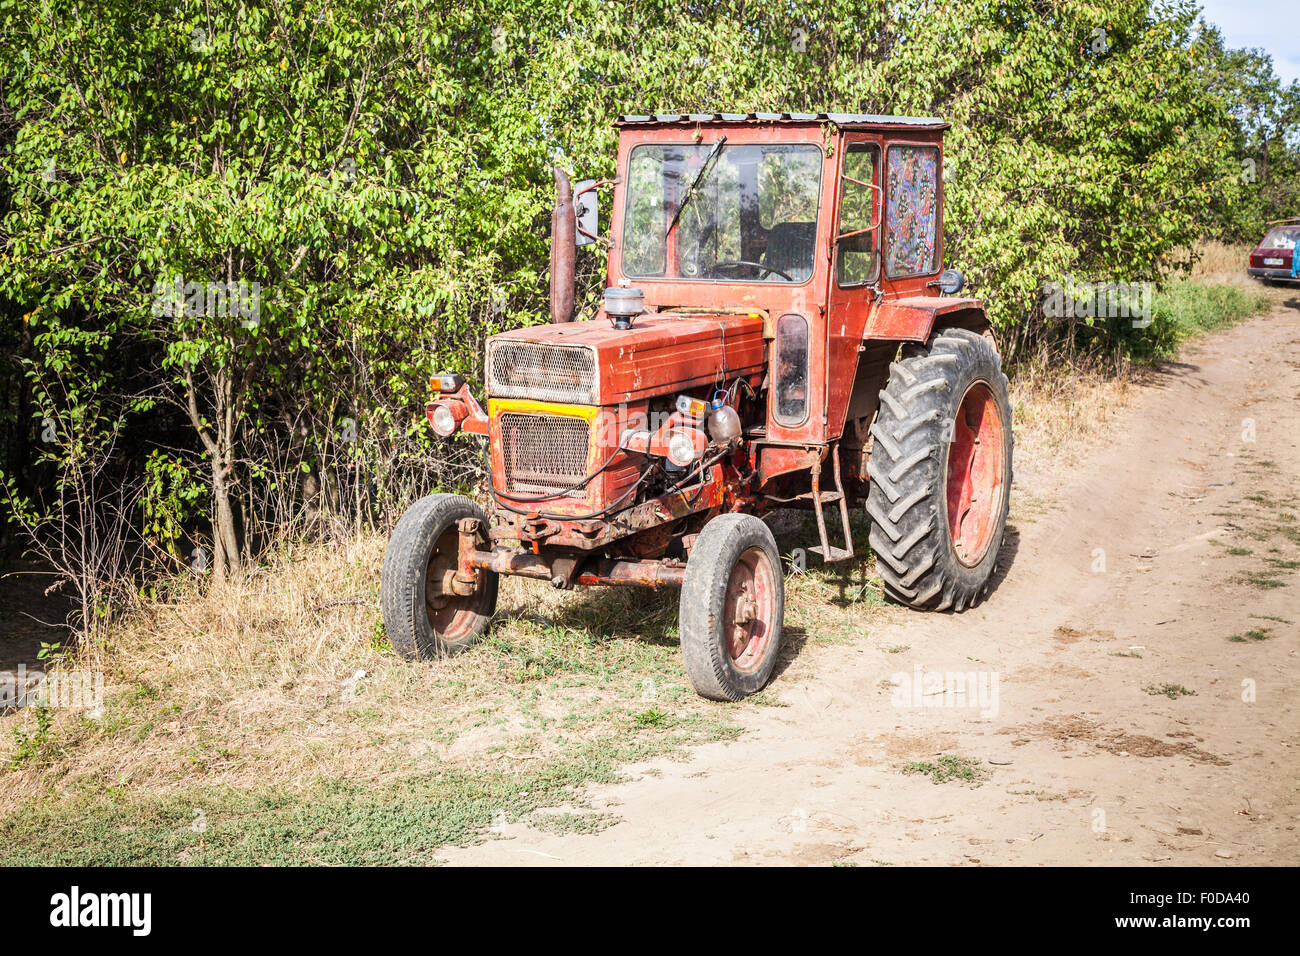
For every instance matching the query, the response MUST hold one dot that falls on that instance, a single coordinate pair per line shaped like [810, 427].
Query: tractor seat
[790, 248]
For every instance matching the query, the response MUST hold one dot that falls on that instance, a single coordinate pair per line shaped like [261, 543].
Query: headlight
[682, 448]
[444, 418]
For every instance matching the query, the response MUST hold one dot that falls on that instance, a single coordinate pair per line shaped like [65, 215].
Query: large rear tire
[940, 472]
[422, 617]
[732, 606]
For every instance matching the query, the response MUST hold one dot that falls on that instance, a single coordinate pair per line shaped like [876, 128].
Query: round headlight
[443, 421]
[681, 449]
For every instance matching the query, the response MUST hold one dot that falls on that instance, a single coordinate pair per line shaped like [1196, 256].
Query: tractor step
[828, 497]
[826, 550]
[836, 554]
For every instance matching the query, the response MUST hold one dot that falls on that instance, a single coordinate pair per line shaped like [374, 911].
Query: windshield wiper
[708, 161]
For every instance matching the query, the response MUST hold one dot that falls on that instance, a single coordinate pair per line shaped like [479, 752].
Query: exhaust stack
[563, 249]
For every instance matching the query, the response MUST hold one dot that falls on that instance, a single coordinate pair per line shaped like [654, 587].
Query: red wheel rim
[451, 615]
[975, 462]
[749, 609]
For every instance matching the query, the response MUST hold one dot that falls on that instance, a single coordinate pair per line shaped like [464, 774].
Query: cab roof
[842, 120]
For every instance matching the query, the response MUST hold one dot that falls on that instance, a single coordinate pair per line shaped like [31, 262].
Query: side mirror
[586, 211]
[951, 281]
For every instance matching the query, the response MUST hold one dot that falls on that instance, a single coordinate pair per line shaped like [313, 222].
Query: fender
[912, 319]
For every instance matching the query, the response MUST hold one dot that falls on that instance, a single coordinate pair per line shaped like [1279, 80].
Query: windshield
[1284, 237]
[752, 216]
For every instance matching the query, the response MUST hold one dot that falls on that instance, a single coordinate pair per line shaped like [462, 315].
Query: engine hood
[663, 352]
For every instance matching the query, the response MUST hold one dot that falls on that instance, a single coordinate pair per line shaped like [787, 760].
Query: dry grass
[1220, 262]
[1058, 417]
[255, 684]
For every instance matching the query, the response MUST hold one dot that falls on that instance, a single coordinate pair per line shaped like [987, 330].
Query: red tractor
[778, 331]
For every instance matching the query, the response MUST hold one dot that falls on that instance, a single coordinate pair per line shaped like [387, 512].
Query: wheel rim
[747, 617]
[975, 463]
[452, 616]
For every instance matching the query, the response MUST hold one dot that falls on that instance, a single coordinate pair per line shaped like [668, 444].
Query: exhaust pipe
[563, 249]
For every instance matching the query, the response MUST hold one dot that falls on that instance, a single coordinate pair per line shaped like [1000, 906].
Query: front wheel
[732, 606]
[423, 615]
[940, 472]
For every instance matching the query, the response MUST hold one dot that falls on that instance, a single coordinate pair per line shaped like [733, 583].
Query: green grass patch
[567, 823]
[334, 822]
[1259, 580]
[1172, 691]
[949, 767]
[1270, 617]
[1184, 309]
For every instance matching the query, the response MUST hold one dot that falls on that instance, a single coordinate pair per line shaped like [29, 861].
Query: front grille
[547, 373]
[544, 453]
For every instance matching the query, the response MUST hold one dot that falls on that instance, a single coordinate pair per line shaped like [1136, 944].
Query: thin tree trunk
[226, 557]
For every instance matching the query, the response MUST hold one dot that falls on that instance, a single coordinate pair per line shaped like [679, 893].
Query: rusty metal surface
[717, 490]
[843, 120]
[544, 454]
[659, 354]
[544, 371]
[564, 571]
[910, 319]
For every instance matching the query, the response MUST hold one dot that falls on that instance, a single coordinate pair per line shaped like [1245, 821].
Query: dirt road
[1125, 695]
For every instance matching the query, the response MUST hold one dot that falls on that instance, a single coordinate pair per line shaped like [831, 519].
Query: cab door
[855, 273]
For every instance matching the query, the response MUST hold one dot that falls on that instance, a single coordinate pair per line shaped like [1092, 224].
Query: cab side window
[857, 254]
[912, 210]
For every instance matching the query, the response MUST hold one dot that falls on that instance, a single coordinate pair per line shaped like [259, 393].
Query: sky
[1264, 24]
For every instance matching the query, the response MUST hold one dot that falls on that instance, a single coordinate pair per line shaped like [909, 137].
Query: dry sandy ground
[1170, 538]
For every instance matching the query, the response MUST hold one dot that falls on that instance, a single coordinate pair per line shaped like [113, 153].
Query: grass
[1186, 308]
[949, 767]
[1260, 580]
[565, 823]
[330, 822]
[1255, 634]
[1269, 519]
[1172, 691]
[1270, 617]
[242, 700]
[33, 746]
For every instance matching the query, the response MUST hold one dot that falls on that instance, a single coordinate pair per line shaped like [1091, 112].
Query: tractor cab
[830, 226]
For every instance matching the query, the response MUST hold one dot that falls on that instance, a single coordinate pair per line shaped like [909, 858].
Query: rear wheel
[732, 605]
[423, 616]
[940, 472]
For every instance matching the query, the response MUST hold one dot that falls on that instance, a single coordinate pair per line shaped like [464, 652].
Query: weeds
[36, 746]
[949, 767]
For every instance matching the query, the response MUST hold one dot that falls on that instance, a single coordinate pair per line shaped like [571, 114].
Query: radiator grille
[547, 373]
[544, 453]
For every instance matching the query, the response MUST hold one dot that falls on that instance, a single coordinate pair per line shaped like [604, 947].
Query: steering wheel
[764, 271]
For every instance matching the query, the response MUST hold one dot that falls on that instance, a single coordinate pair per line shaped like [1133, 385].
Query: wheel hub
[749, 609]
[974, 480]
